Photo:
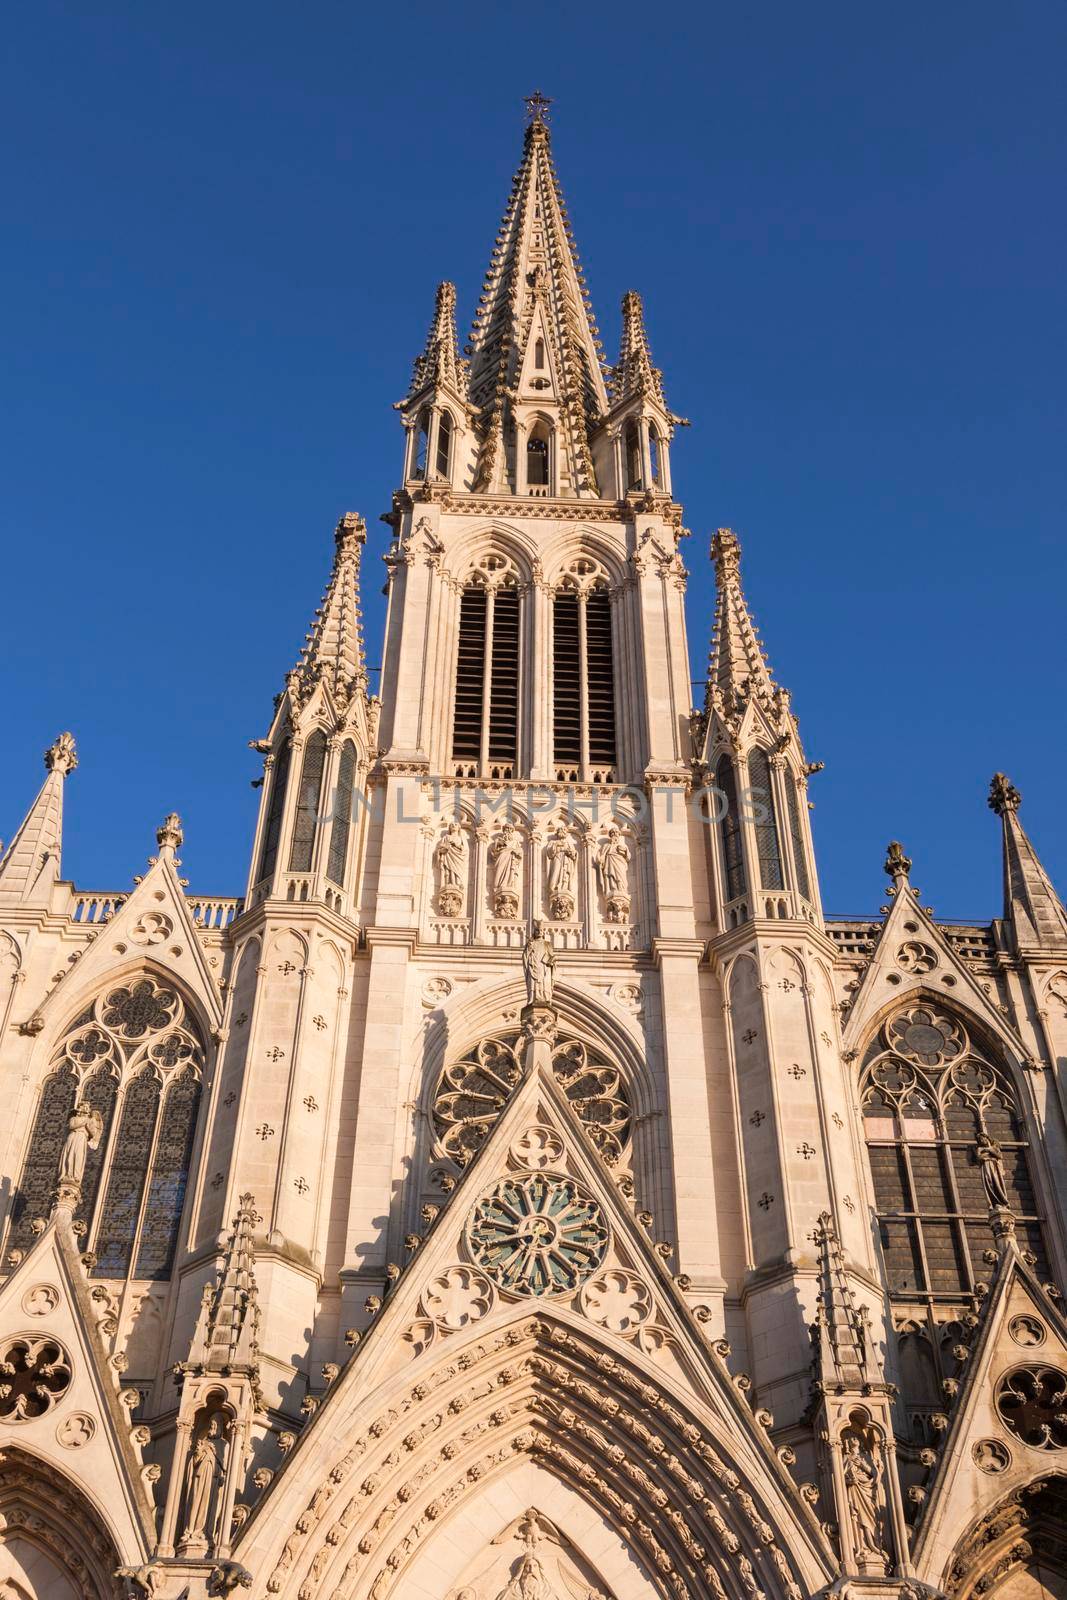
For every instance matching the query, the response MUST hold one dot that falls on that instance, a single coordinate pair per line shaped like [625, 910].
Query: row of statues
[506, 855]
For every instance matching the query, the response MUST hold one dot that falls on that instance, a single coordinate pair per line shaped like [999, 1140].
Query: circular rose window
[1032, 1402]
[536, 1234]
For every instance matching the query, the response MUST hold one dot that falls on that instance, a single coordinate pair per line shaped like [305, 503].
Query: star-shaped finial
[537, 106]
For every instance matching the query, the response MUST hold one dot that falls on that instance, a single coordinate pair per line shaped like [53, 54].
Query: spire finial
[726, 553]
[537, 105]
[1003, 795]
[62, 756]
[897, 864]
[169, 835]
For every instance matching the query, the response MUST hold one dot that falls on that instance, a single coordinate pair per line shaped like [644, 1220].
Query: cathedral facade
[524, 1192]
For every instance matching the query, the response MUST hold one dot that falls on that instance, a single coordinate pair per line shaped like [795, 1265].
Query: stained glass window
[733, 858]
[273, 832]
[946, 1145]
[134, 1057]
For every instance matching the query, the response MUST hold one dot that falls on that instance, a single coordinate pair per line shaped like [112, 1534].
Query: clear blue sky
[224, 224]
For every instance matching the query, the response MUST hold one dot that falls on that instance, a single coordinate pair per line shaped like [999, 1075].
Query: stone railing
[212, 913]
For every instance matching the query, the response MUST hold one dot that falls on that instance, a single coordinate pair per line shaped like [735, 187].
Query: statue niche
[450, 859]
[205, 1475]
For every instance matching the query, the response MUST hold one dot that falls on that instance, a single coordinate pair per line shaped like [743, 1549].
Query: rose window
[139, 1008]
[473, 1092]
[927, 1036]
[1032, 1403]
[34, 1374]
[535, 1234]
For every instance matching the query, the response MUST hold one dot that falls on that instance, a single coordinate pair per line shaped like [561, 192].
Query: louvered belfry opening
[485, 729]
[504, 682]
[583, 686]
[566, 688]
[470, 678]
[601, 675]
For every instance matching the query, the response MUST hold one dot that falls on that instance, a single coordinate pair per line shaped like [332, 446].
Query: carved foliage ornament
[537, 1234]
[473, 1092]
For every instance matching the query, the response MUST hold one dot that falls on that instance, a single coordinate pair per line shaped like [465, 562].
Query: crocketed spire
[1031, 904]
[737, 667]
[633, 374]
[227, 1328]
[439, 365]
[31, 864]
[535, 264]
[845, 1355]
[333, 651]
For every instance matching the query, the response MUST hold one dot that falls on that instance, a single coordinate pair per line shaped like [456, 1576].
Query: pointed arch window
[655, 455]
[422, 445]
[539, 355]
[342, 815]
[276, 810]
[796, 837]
[307, 803]
[730, 829]
[583, 677]
[765, 825]
[135, 1057]
[485, 726]
[538, 456]
[946, 1140]
[443, 452]
[632, 452]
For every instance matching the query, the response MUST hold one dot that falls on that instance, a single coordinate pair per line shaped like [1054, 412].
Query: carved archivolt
[39, 1504]
[1028, 1528]
[542, 1391]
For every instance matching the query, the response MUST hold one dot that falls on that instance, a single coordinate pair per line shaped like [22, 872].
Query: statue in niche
[450, 859]
[505, 855]
[613, 872]
[203, 1480]
[863, 1492]
[562, 857]
[991, 1162]
[539, 965]
[84, 1132]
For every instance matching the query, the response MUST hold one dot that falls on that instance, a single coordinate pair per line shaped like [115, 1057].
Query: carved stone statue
[505, 855]
[203, 1481]
[613, 871]
[562, 857]
[539, 965]
[450, 858]
[84, 1131]
[863, 1490]
[992, 1165]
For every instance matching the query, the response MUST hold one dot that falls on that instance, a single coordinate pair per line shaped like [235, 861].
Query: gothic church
[524, 1192]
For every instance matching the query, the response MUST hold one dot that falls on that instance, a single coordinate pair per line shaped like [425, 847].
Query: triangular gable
[982, 1459]
[913, 955]
[85, 1434]
[155, 924]
[446, 1313]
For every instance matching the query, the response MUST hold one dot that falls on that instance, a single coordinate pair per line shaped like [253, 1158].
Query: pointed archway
[1017, 1551]
[53, 1544]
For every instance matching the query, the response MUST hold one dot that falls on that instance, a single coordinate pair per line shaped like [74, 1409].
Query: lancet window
[730, 829]
[342, 815]
[948, 1152]
[539, 458]
[132, 1064]
[272, 833]
[765, 825]
[794, 801]
[485, 726]
[443, 450]
[583, 676]
[307, 803]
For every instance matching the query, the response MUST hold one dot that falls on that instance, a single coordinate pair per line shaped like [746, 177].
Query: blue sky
[224, 225]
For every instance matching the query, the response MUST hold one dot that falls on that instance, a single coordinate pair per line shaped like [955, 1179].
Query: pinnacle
[737, 667]
[633, 373]
[440, 363]
[1032, 907]
[333, 650]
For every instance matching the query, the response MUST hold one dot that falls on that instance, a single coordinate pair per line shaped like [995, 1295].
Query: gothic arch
[44, 1514]
[562, 547]
[1024, 1537]
[546, 1388]
[495, 537]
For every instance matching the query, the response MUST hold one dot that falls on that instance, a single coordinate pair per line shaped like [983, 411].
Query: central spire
[534, 325]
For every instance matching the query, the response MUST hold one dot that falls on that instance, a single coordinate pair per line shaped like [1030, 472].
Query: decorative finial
[537, 106]
[169, 835]
[350, 531]
[897, 864]
[1003, 795]
[62, 757]
[726, 552]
